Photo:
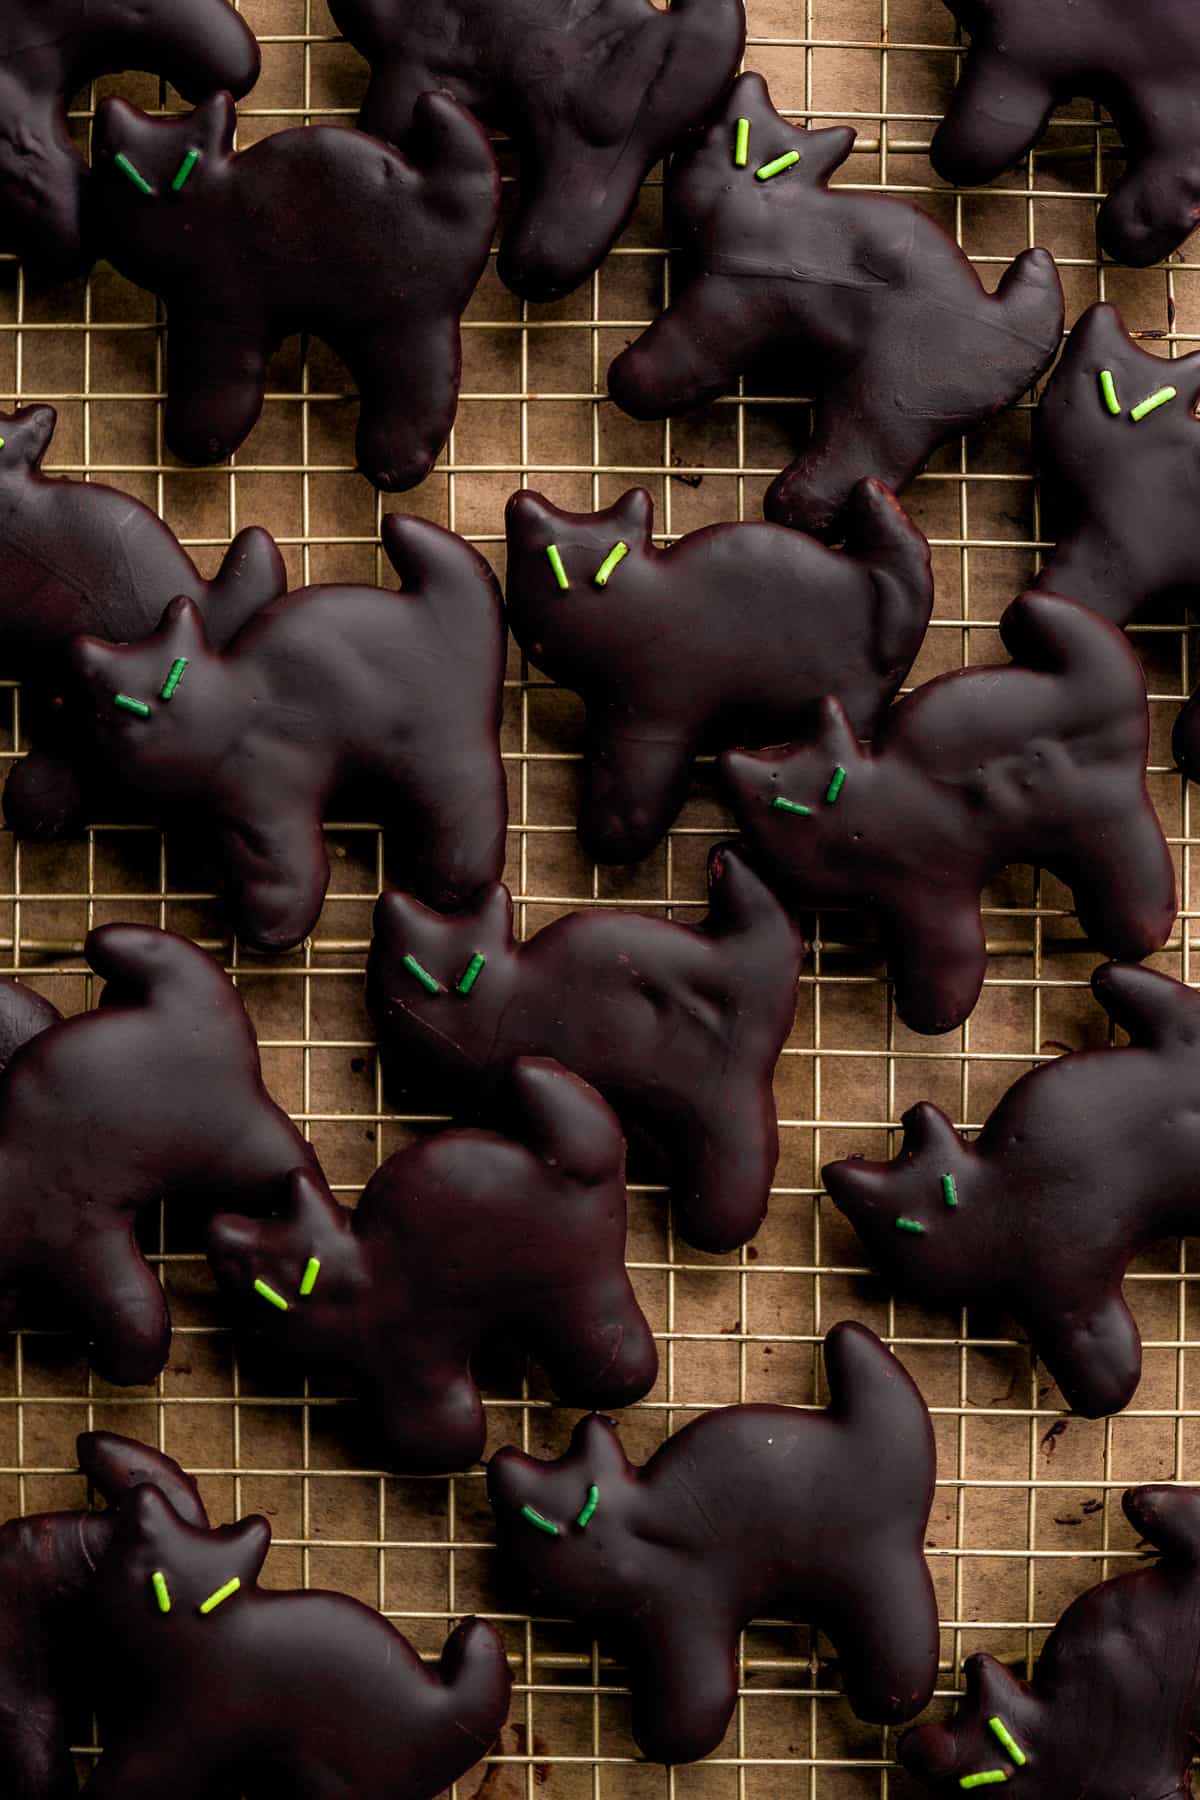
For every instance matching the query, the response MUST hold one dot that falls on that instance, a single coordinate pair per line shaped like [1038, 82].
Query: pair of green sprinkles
[835, 785]
[308, 1282]
[912, 1225]
[174, 678]
[779, 804]
[771, 169]
[162, 1592]
[1000, 1730]
[616, 555]
[949, 1190]
[222, 1594]
[131, 173]
[271, 1295]
[126, 703]
[987, 1778]
[555, 560]
[589, 1508]
[429, 982]
[538, 1522]
[741, 144]
[470, 974]
[184, 170]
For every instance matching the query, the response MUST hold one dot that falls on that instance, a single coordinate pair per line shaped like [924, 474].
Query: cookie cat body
[1042, 761]
[858, 298]
[315, 229]
[456, 1239]
[393, 699]
[1085, 1161]
[731, 636]
[747, 1512]
[592, 96]
[235, 1688]
[679, 1027]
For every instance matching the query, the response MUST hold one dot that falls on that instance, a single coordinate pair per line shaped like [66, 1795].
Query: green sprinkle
[779, 804]
[184, 170]
[268, 1294]
[308, 1280]
[949, 1190]
[536, 1520]
[741, 144]
[988, 1778]
[617, 554]
[174, 678]
[1108, 388]
[556, 563]
[1, 443]
[590, 1505]
[429, 982]
[778, 166]
[222, 1594]
[126, 167]
[835, 785]
[470, 974]
[1000, 1729]
[913, 1225]
[1152, 403]
[127, 704]
[162, 1592]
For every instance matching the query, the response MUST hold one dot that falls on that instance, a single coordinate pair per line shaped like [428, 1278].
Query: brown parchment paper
[1027, 1512]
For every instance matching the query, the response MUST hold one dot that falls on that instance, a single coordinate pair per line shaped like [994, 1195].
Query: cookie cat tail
[873, 1393]
[1032, 297]
[478, 1680]
[24, 1015]
[1167, 1517]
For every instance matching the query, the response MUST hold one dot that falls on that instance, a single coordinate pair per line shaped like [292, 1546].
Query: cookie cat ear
[634, 515]
[94, 661]
[25, 437]
[529, 515]
[182, 624]
[214, 123]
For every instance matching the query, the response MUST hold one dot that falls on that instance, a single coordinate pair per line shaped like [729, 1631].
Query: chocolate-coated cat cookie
[316, 229]
[389, 700]
[1084, 1162]
[1140, 62]
[748, 1512]
[156, 1095]
[731, 636]
[1114, 1705]
[1039, 761]
[76, 556]
[678, 1026]
[1118, 447]
[592, 96]
[49, 49]
[331, 1702]
[46, 1567]
[459, 1238]
[859, 299]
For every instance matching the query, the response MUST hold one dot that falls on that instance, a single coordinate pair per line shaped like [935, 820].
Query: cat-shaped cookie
[49, 50]
[315, 229]
[857, 298]
[592, 96]
[455, 1240]
[1040, 761]
[678, 1026]
[211, 1684]
[730, 636]
[155, 1095]
[390, 698]
[748, 1512]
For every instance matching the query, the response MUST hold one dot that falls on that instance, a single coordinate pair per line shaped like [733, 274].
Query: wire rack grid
[1025, 1513]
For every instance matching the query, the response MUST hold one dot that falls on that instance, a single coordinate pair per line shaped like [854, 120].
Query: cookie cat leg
[408, 389]
[937, 958]
[596, 1347]
[429, 1423]
[887, 1638]
[855, 434]
[996, 112]
[451, 840]
[276, 874]
[684, 1687]
[43, 797]
[1123, 880]
[1155, 204]
[693, 353]
[119, 1303]
[633, 787]
[1093, 1350]
[216, 378]
[720, 1195]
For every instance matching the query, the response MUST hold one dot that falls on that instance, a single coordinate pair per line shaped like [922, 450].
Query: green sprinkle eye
[835, 785]
[184, 170]
[741, 144]
[122, 162]
[988, 1778]
[556, 563]
[535, 1519]
[429, 982]
[127, 704]
[1, 443]
[616, 555]
[779, 804]
[589, 1510]
[222, 1594]
[268, 1293]
[470, 974]
[308, 1280]
[1001, 1731]
[162, 1592]
[777, 167]
[912, 1225]
[1152, 403]
[1108, 388]
[949, 1190]
[174, 678]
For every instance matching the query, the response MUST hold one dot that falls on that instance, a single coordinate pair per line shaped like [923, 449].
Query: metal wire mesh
[1025, 1513]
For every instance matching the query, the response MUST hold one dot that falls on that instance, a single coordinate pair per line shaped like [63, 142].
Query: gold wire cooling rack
[1026, 1512]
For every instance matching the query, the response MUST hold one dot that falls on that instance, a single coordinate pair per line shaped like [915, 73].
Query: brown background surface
[1027, 1511]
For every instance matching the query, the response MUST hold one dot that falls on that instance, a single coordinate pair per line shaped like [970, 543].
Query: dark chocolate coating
[858, 299]
[456, 1240]
[1084, 1162]
[1039, 761]
[76, 556]
[155, 1095]
[389, 702]
[592, 96]
[316, 229]
[1120, 494]
[46, 1568]
[678, 1026]
[1113, 1707]
[271, 1693]
[1140, 62]
[49, 50]
[731, 636]
[749, 1512]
